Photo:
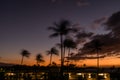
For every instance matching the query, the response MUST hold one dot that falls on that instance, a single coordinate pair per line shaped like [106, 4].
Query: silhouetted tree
[69, 44]
[24, 53]
[51, 52]
[61, 29]
[39, 58]
[94, 46]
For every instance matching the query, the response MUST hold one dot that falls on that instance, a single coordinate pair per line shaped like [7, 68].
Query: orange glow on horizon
[110, 61]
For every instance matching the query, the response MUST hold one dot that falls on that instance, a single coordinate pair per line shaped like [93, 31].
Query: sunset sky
[24, 23]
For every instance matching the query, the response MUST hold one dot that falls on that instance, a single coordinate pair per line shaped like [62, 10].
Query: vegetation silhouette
[39, 58]
[24, 53]
[94, 46]
[69, 44]
[61, 29]
[51, 52]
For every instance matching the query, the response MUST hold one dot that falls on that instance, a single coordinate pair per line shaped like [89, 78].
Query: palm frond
[25, 53]
[39, 58]
[53, 50]
[54, 35]
[52, 28]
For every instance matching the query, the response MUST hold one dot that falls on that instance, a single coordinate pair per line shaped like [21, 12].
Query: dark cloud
[84, 34]
[81, 36]
[106, 44]
[113, 24]
[111, 41]
[83, 57]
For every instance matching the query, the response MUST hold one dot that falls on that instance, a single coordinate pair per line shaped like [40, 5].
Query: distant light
[70, 75]
[10, 74]
[79, 73]
[89, 75]
[1, 69]
[101, 74]
[105, 75]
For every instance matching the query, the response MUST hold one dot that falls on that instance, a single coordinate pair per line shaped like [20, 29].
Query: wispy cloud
[96, 23]
[82, 3]
[81, 57]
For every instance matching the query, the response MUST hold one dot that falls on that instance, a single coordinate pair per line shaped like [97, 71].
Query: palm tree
[69, 44]
[39, 58]
[61, 29]
[94, 46]
[51, 52]
[97, 47]
[24, 53]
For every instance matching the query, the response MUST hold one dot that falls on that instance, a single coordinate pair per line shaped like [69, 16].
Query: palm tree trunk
[68, 52]
[50, 59]
[62, 62]
[37, 63]
[97, 64]
[68, 56]
[98, 60]
[64, 49]
[68, 60]
[22, 60]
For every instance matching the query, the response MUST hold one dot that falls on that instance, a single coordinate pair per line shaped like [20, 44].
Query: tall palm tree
[39, 58]
[51, 52]
[94, 46]
[61, 29]
[97, 47]
[24, 53]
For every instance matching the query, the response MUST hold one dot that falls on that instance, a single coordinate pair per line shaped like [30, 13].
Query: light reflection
[10, 74]
[73, 76]
[89, 76]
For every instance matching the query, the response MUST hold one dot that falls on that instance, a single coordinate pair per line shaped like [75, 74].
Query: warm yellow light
[79, 73]
[89, 75]
[101, 74]
[10, 74]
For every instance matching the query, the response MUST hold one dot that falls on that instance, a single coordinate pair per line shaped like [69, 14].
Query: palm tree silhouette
[39, 58]
[95, 46]
[61, 29]
[24, 53]
[51, 52]
[69, 44]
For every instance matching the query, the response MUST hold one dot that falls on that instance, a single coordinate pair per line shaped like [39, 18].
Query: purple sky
[23, 23]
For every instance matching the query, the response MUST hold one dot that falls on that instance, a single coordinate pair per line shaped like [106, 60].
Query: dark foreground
[52, 73]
